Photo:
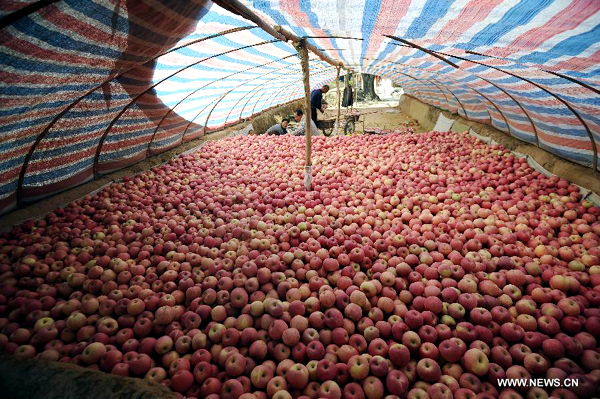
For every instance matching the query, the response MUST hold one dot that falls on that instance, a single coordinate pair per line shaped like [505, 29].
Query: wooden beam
[296, 39]
[240, 9]
[303, 51]
[236, 7]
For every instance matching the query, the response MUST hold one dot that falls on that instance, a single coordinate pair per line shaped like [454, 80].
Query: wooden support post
[337, 86]
[303, 51]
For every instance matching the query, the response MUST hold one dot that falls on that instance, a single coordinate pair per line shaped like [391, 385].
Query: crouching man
[301, 130]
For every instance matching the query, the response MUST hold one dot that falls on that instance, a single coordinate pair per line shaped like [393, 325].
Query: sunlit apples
[421, 266]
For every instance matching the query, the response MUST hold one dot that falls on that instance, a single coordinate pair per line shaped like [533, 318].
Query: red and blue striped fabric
[509, 54]
[89, 87]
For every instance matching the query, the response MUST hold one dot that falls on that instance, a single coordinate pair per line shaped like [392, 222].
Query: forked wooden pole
[303, 51]
[339, 110]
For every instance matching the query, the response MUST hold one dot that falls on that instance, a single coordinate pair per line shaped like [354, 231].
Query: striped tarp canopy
[530, 68]
[88, 87]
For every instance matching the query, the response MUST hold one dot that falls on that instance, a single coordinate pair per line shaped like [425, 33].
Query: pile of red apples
[420, 266]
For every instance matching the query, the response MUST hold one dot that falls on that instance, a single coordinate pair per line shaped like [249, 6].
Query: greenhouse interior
[300, 199]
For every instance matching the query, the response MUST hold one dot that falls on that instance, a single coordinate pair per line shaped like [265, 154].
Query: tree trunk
[369, 88]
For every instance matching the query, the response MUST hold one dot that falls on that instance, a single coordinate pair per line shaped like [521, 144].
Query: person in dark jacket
[279, 129]
[316, 101]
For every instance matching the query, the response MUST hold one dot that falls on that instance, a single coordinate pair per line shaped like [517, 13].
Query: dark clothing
[277, 130]
[348, 98]
[316, 102]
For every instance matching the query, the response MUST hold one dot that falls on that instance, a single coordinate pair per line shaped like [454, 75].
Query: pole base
[308, 178]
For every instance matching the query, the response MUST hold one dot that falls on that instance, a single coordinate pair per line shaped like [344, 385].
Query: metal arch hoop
[202, 110]
[244, 96]
[286, 98]
[116, 118]
[497, 87]
[172, 109]
[428, 80]
[564, 102]
[222, 97]
[43, 134]
[471, 88]
[225, 95]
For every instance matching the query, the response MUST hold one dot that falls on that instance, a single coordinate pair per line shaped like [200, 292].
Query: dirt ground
[375, 115]
[384, 114]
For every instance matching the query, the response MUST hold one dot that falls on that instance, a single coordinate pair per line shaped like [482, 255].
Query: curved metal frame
[427, 80]
[439, 55]
[172, 109]
[43, 134]
[199, 113]
[244, 83]
[253, 90]
[564, 102]
[134, 100]
[263, 92]
[290, 97]
[207, 105]
[515, 101]
[244, 96]
[13, 17]
[560, 75]
[287, 99]
[476, 91]
[497, 109]
[427, 71]
[494, 85]
[217, 102]
[482, 95]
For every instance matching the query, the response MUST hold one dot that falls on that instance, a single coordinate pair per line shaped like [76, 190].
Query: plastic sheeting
[443, 124]
[529, 68]
[88, 87]
[91, 87]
